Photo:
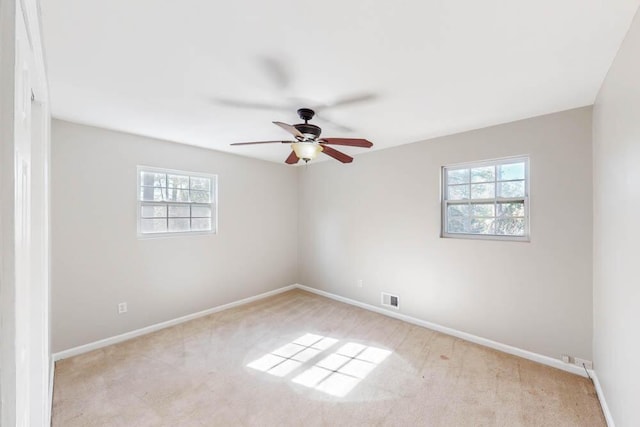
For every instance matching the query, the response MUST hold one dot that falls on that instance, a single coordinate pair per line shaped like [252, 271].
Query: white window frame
[213, 204]
[526, 237]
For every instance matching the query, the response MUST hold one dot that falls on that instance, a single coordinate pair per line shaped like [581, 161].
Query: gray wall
[98, 260]
[379, 220]
[616, 132]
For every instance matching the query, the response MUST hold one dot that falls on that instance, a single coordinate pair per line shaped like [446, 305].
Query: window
[175, 202]
[486, 199]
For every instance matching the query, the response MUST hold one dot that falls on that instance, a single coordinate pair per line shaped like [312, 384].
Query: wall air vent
[389, 300]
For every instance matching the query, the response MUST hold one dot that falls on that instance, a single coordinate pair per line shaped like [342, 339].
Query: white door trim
[24, 218]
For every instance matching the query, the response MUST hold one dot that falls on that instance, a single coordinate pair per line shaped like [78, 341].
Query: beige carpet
[302, 360]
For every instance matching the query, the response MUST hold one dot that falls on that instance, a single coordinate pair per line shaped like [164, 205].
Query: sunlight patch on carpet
[335, 373]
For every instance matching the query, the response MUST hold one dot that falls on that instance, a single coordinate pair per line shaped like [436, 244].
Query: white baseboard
[152, 328]
[545, 360]
[603, 402]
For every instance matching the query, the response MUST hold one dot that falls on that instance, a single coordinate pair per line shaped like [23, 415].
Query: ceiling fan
[308, 144]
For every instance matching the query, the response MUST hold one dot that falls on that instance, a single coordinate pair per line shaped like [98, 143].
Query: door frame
[25, 359]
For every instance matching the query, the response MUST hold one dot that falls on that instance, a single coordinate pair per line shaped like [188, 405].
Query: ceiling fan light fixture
[306, 150]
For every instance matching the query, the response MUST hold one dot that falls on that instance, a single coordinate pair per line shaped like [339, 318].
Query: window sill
[495, 237]
[146, 236]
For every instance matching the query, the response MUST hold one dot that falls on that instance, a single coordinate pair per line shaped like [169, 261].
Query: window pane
[201, 224]
[510, 209]
[179, 224]
[153, 179]
[181, 202]
[457, 225]
[151, 194]
[201, 211]
[511, 171]
[457, 176]
[458, 210]
[458, 192]
[511, 189]
[198, 183]
[175, 195]
[482, 191]
[510, 227]
[179, 211]
[178, 181]
[200, 196]
[484, 174]
[482, 225]
[486, 198]
[153, 225]
[483, 209]
[150, 211]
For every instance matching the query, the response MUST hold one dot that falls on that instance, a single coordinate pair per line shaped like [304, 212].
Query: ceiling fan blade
[336, 154]
[340, 102]
[353, 99]
[352, 142]
[292, 159]
[261, 142]
[291, 129]
[249, 105]
[335, 125]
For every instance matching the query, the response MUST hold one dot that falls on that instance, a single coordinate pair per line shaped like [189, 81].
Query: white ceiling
[433, 67]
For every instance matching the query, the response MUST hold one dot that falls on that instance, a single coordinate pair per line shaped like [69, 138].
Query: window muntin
[486, 199]
[175, 202]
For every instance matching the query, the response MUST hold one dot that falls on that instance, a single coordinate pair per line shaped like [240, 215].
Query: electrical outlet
[359, 283]
[583, 363]
[566, 358]
[122, 308]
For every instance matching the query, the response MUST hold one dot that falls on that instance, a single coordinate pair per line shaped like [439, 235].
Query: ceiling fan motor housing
[311, 132]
